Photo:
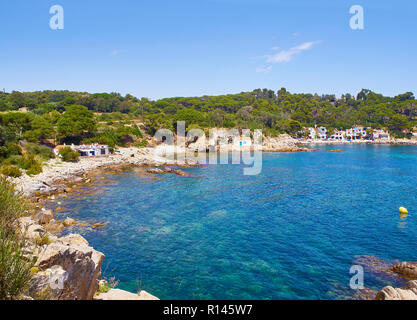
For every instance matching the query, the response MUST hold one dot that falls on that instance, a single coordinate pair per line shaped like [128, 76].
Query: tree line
[275, 112]
[57, 117]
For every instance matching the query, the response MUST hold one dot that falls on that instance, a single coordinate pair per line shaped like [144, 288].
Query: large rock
[78, 265]
[406, 270]
[73, 239]
[44, 216]
[407, 292]
[30, 229]
[117, 294]
[69, 222]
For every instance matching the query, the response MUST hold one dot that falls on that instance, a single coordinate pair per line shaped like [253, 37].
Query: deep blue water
[291, 232]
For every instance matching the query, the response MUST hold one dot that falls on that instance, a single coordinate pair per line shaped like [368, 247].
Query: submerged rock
[69, 222]
[375, 265]
[98, 225]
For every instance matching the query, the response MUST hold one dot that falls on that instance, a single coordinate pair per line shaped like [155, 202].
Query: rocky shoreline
[392, 141]
[72, 257]
[57, 175]
[66, 268]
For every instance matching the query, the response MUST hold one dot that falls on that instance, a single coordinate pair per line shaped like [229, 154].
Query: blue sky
[171, 48]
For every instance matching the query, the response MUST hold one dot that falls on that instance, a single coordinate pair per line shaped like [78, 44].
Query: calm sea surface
[291, 232]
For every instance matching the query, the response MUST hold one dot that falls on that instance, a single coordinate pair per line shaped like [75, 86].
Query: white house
[312, 133]
[322, 133]
[381, 134]
[92, 150]
[338, 135]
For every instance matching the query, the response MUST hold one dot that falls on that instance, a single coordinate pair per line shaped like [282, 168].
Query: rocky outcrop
[69, 269]
[406, 292]
[69, 222]
[117, 294]
[406, 270]
[282, 143]
[166, 170]
[30, 229]
[57, 175]
[44, 216]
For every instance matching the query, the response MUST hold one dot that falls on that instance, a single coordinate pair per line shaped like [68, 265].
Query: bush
[11, 171]
[136, 131]
[44, 239]
[15, 264]
[10, 149]
[32, 165]
[15, 267]
[103, 288]
[141, 144]
[69, 155]
[12, 204]
[44, 152]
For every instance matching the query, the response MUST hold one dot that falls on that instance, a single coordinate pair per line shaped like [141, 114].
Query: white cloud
[115, 52]
[287, 55]
[264, 69]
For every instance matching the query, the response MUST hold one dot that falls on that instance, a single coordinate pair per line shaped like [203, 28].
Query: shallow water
[291, 232]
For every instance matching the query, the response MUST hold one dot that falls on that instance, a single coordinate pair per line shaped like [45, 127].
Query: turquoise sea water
[291, 232]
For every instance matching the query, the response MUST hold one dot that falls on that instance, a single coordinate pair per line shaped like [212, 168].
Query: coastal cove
[292, 232]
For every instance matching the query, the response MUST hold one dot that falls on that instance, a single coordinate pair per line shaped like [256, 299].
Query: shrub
[43, 152]
[44, 239]
[11, 171]
[136, 131]
[32, 165]
[10, 149]
[13, 160]
[15, 263]
[103, 288]
[15, 266]
[141, 144]
[69, 155]
[12, 204]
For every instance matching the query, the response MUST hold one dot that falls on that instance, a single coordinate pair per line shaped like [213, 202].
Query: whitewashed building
[338, 135]
[312, 133]
[380, 134]
[92, 150]
[322, 133]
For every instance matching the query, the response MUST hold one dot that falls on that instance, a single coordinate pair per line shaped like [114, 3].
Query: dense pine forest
[32, 121]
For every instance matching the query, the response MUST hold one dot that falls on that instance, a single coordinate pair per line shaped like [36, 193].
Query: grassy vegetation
[103, 288]
[15, 263]
[69, 155]
[11, 171]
